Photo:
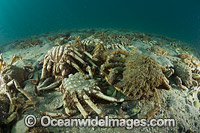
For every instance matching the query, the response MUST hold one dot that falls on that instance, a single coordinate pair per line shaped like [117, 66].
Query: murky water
[178, 19]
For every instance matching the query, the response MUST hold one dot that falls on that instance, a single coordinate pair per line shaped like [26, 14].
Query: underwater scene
[99, 66]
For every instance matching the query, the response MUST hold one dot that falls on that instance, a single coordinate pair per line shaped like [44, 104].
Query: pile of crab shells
[191, 60]
[29, 42]
[159, 51]
[90, 42]
[188, 69]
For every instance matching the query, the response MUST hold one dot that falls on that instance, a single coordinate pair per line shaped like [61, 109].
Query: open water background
[179, 19]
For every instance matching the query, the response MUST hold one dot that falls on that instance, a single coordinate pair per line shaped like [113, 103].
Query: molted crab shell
[78, 88]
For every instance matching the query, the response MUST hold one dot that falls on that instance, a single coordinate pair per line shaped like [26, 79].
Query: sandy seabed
[181, 103]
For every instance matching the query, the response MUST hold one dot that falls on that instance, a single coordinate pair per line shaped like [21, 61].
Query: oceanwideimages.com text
[47, 121]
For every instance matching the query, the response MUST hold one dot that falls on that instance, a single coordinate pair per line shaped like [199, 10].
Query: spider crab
[10, 77]
[60, 61]
[76, 87]
[136, 75]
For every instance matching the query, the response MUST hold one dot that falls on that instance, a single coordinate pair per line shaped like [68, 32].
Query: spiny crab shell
[77, 82]
[78, 88]
[159, 51]
[185, 73]
[142, 75]
[13, 72]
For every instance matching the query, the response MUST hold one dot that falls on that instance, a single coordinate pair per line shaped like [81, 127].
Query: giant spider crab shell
[136, 75]
[77, 89]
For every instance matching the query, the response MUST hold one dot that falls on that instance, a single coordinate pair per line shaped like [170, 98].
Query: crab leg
[76, 57]
[52, 114]
[166, 83]
[51, 86]
[115, 59]
[120, 47]
[121, 52]
[2, 63]
[91, 104]
[11, 108]
[79, 106]
[54, 69]
[73, 49]
[90, 56]
[156, 106]
[7, 92]
[15, 58]
[101, 95]
[44, 70]
[49, 64]
[10, 118]
[45, 83]
[99, 48]
[67, 110]
[75, 66]
[90, 71]
[27, 103]
[93, 65]
[14, 82]
[105, 67]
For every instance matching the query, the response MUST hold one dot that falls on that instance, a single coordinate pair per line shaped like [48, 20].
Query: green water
[179, 19]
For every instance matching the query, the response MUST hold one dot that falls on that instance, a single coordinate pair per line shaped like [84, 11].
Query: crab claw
[166, 83]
